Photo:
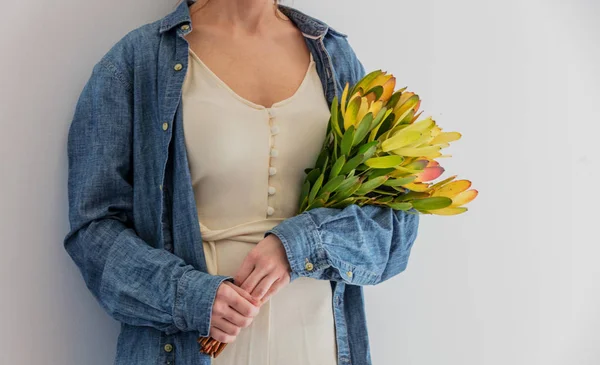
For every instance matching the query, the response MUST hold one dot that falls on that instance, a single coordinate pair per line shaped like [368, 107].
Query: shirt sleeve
[357, 245]
[134, 282]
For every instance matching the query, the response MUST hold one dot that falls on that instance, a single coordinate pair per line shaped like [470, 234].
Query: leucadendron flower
[377, 151]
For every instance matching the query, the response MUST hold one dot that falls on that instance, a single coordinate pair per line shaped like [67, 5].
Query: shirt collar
[309, 26]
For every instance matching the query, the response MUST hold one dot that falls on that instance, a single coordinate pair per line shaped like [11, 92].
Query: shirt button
[185, 27]
[272, 170]
[272, 190]
[349, 273]
[308, 266]
[274, 129]
[271, 112]
[270, 210]
[178, 67]
[165, 126]
[274, 152]
[168, 347]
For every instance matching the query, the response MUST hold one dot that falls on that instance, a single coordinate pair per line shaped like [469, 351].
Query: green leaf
[362, 167]
[363, 128]
[335, 148]
[378, 90]
[400, 139]
[383, 113]
[400, 206]
[394, 99]
[323, 196]
[401, 181]
[315, 189]
[333, 184]
[436, 202]
[334, 121]
[380, 172]
[316, 204]
[304, 192]
[366, 187]
[337, 167]
[368, 149]
[411, 195]
[347, 141]
[324, 165]
[388, 194]
[343, 203]
[323, 156]
[313, 175]
[348, 181]
[365, 81]
[352, 112]
[384, 162]
[347, 192]
[352, 163]
[383, 199]
[383, 127]
[303, 205]
[406, 118]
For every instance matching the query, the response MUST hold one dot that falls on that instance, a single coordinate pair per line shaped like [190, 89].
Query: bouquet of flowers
[376, 151]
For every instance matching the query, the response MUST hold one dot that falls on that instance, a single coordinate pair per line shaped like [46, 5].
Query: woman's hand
[265, 270]
[233, 309]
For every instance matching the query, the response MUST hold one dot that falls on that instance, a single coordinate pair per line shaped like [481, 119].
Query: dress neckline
[246, 101]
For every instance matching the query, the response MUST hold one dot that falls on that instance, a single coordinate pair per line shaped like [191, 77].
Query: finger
[254, 278]
[241, 304]
[236, 318]
[244, 271]
[277, 285]
[263, 286]
[220, 336]
[225, 326]
[243, 293]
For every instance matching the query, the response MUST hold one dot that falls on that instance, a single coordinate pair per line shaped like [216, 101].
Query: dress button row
[273, 153]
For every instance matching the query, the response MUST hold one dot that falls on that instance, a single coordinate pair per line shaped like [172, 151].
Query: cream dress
[247, 165]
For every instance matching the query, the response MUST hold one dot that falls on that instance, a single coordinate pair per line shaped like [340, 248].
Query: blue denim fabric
[134, 233]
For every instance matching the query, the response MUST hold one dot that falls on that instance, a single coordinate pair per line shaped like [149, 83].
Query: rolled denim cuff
[303, 246]
[196, 294]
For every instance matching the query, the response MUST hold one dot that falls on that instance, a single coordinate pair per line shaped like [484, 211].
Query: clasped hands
[264, 271]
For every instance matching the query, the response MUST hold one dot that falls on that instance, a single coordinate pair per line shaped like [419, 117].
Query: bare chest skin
[262, 68]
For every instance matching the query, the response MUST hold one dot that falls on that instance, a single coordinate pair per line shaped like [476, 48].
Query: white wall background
[514, 281]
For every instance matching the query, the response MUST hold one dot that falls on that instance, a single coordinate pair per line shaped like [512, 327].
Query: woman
[180, 235]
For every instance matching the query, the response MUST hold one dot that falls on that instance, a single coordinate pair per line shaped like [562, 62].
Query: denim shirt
[134, 230]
